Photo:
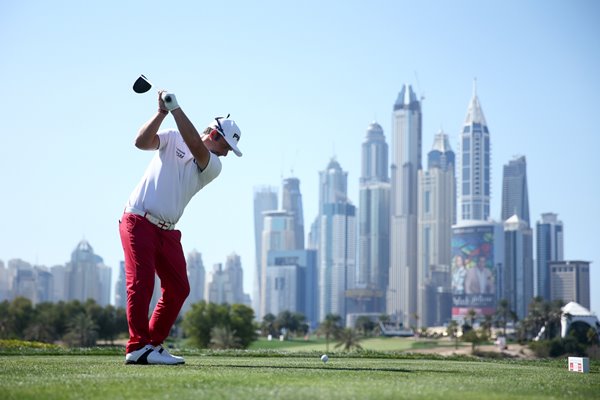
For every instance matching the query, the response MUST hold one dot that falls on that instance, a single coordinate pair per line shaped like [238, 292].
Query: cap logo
[236, 137]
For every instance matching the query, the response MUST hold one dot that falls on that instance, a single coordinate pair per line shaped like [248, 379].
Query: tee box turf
[579, 364]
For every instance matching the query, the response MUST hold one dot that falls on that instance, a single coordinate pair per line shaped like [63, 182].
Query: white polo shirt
[171, 179]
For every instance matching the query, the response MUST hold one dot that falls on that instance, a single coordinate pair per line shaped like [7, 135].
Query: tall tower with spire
[406, 163]
[374, 223]
[291, 201]
[474, 187]
[336, 241]
[437, 205]
[515, 198]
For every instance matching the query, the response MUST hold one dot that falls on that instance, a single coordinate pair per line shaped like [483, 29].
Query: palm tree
[364, 325]
[40, 331]
[554, 317]
[452, 330]
[82, 331]
[471, 314]
[415, 318]
[348, 338]
[503, 314]
[330, 327]
[268, 324]
[486, 325]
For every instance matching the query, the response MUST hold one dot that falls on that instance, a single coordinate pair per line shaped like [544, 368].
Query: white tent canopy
[574, 312]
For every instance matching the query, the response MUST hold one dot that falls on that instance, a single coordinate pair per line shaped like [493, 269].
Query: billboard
[473, 271]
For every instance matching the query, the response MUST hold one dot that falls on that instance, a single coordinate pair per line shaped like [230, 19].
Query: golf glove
[170, 101]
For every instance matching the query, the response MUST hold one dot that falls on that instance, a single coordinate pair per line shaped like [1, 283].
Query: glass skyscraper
[291, 201]
[265, 199]
[549, 247]
[197, 278]
[474, 190]
[374, 222]
[518, 265]
[437, 212]
[406, 162]
[374, 156]
[292, 283]
[515, 199]
[336, 227]
[278, 234]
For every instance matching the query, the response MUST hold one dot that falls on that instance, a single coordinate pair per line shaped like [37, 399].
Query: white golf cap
[230, 131]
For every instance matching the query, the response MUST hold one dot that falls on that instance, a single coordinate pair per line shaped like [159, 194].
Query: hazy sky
[303, 80]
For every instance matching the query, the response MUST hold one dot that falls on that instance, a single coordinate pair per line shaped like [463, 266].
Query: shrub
[557, 347]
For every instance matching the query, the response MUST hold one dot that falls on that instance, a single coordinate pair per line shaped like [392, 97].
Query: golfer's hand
[169, 101]
[162, 108]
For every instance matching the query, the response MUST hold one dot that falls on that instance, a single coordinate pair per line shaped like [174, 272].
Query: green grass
[256, 375]
[374, 344]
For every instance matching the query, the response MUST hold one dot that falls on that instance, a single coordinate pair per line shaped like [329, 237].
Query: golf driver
[142, 85]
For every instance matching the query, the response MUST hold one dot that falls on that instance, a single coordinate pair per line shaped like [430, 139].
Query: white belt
[156, 221]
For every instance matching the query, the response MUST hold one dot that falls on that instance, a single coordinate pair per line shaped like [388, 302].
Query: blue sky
[303, 80]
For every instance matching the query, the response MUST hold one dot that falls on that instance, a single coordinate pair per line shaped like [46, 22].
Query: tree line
[73, 322]
[220, 326]
[83, 324]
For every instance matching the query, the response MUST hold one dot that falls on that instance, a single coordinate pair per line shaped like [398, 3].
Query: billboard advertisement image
[473, 271]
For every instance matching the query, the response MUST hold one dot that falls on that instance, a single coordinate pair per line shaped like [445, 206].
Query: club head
[142, 85]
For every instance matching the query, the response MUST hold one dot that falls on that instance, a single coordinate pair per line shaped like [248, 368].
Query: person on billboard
[479, 279]
[458, 275]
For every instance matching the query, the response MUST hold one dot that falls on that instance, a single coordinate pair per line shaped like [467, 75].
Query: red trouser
[150, 250]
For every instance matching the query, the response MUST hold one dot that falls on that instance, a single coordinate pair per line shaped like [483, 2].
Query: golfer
[184, 163]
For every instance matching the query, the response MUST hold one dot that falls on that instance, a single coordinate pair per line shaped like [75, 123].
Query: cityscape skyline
[74, 163]
[279, 229]
[279, 225]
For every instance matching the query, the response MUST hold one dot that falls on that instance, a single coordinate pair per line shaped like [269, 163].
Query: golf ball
[324, 358]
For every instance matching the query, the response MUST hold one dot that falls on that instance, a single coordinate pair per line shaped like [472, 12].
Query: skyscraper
[406, 162]
[278, 234]
[87, 276]
[337, 241]
[197, 278]
[518, 265]
[337, 257]
[265, 199]
[515, 199]
[225, 285]
[291, 201]
[374, 222]
[549, 247]
[121, 288]
[570, 281]
[437, 213]
[374, 160]
[4, 285]
[217, 287]
[474, 186]
[292, 283]
[333, 184]
[32, 282]
[233, 268]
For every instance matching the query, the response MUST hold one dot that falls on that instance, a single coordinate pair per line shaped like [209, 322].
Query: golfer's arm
[191, 137]
[147, 138]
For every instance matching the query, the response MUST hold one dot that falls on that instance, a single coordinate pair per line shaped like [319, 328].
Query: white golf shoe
[145, 355]
[168, 358]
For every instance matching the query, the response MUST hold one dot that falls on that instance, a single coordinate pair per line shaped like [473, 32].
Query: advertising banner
[473, 271]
